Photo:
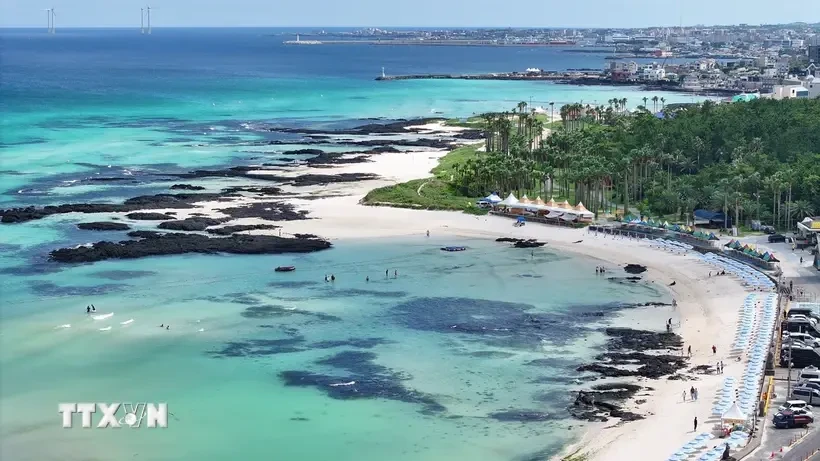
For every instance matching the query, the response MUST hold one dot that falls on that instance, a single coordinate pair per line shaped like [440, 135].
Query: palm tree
[800, 209]
[552, 111]
[645, 99]
[663, 103]
[655, 103]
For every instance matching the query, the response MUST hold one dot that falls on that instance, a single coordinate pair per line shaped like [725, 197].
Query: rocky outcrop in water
[192, 224]
[149, 216]
[604, 401]
[522, 243]
[103, 226]
[629, 353]
[186, 187]
[228, 230]
[269, 211]
[397, 127]
[177, 243]
[634, 269]
[143, 202]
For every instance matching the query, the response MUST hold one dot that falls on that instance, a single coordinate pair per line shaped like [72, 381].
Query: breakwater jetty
[543, 75]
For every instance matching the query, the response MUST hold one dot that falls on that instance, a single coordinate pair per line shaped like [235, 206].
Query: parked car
[807, 394]
[777, 238]
[793, 405]
[768, 229]
[809, 383]
[789, 419]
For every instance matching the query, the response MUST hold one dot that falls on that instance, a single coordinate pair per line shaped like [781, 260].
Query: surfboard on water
[67, 325]
[105, 329]
[201, 330]
[102, 316]
[127, 322]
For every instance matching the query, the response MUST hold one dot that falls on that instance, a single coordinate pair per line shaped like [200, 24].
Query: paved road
[804, 448]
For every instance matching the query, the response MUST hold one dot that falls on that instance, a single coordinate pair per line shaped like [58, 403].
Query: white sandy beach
[707, 306]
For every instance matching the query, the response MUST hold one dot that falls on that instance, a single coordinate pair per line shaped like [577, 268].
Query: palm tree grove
[756, 160]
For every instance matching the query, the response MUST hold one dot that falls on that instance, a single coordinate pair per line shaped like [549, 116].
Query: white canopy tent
[492, 198]
[734, 415]
[509, 201]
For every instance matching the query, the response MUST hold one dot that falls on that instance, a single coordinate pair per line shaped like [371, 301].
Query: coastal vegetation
[753, 160]
[435, 193]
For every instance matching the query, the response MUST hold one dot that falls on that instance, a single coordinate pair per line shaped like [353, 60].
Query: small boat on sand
[453, 248]
[285, 269]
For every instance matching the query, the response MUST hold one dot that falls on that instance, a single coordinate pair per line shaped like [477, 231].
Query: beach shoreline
[707, 306]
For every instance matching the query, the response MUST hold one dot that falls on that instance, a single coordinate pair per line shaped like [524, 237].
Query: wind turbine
[53, 15]
[48, 19]
[148, 9]
[142, 20]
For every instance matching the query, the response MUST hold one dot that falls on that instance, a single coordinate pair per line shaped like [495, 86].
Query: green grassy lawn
[444, 169]
[434, 193]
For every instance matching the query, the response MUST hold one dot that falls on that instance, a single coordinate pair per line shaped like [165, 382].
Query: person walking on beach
[721, 367]
[696, 424]
[689, 350]
[714, 349]
[692, 392]
[684, 396]
[428, 232]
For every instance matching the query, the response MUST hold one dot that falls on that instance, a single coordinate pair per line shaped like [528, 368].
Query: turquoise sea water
[434, 353]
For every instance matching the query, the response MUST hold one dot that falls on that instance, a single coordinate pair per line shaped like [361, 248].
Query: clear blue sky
[421, 13]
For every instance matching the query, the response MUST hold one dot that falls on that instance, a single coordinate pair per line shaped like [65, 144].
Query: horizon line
[405, 27]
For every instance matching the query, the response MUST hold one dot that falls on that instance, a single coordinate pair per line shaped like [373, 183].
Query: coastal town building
[789, 92]
[814, 54]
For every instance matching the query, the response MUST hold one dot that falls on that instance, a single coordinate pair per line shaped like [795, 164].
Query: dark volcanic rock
[303, 152]
[521, 243]
[186, 187]
[270, 211]
[176, 243]
[261, 191]
[362, 379]
[400, 126]
[192, 224]
[103, 226]
[145, 234]
[145, 202]
[303, 180]
[634, 268]
[228, 230]
[149, 216]
[521, 416]
[497, 324]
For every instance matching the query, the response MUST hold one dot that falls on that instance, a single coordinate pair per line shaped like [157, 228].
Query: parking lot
[776, 439]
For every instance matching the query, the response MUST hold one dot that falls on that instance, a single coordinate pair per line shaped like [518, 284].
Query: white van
[810, 373]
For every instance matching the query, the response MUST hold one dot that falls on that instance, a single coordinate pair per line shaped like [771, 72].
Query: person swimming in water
[367, 279]
[93, 309]
[332, 278]
[87, 309]
[168, 327]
